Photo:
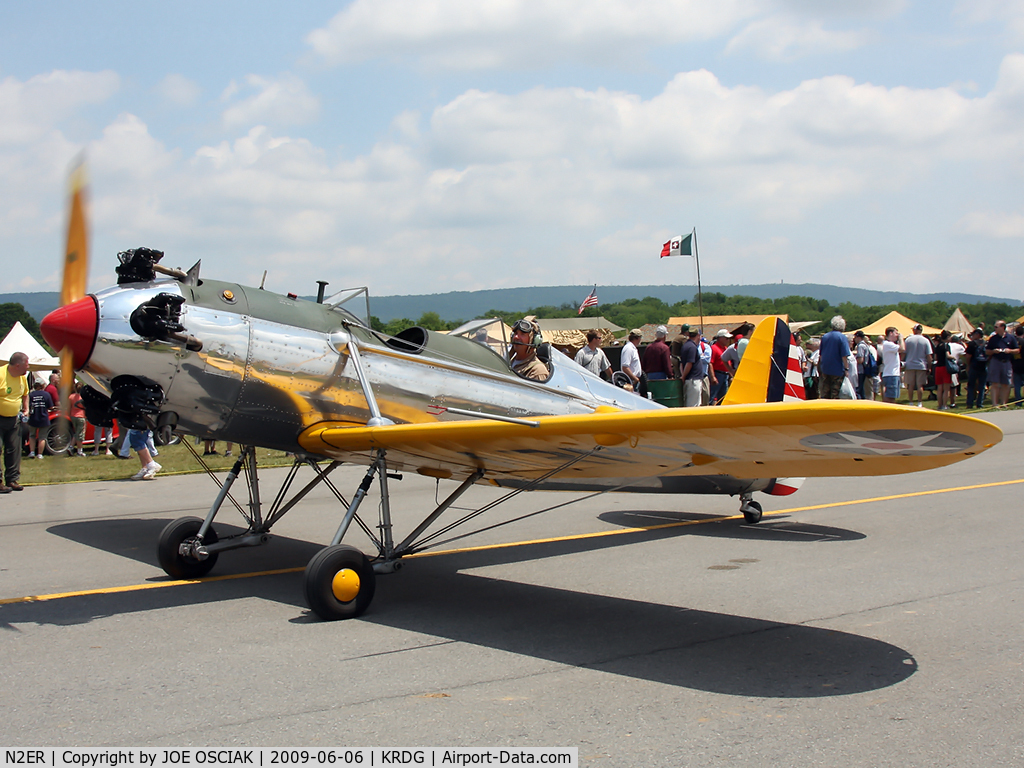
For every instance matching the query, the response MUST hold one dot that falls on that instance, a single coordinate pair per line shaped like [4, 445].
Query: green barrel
[667, 392]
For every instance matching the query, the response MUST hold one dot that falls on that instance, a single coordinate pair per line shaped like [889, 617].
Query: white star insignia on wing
[916, 445]
[891, 442]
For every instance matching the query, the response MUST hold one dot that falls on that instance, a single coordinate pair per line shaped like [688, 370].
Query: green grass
[175, 459]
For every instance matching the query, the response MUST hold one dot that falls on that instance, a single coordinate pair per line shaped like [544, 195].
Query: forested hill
[465, 305]
[633, 313]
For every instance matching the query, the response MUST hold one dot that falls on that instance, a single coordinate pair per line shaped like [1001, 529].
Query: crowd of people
[983, 364]
[836, 365]
[32, 406]
[704, 368]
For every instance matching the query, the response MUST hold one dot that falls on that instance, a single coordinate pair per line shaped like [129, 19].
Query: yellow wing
[806, 439]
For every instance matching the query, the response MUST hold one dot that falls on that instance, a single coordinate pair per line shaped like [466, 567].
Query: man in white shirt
[629, 363]
[891, 349]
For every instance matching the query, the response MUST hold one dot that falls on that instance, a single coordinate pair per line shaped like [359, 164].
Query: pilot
[523, 352]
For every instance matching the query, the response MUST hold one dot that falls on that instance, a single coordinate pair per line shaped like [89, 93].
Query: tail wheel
[168, 550]
[339, 583]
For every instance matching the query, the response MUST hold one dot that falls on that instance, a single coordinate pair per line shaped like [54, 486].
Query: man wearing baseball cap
[723, 373]
[691, 371]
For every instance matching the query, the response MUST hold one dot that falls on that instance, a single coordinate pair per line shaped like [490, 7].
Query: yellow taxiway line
[485, 547]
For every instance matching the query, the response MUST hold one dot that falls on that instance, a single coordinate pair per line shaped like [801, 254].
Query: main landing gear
[339, 581]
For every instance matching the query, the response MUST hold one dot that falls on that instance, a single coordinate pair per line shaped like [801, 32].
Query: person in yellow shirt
[13, 404]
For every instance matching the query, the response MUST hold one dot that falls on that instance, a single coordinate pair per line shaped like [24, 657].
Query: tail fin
[770, 369]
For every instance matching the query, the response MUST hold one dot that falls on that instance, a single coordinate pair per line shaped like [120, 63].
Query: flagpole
[700, 301]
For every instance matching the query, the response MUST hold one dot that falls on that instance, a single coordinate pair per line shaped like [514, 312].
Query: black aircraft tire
[319, 582]
[171, 560]
[752, 514]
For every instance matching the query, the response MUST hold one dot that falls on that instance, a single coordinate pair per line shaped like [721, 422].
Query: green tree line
[633, 313]
[13, 312]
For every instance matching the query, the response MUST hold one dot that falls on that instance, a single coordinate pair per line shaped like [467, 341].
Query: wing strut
[389, 553]
[508, 496]
[421, 545]
[379, 465]
[376, 418]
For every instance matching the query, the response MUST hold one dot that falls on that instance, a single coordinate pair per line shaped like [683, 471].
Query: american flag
[590, 301]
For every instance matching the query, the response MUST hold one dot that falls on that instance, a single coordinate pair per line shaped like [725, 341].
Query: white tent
[20, 340]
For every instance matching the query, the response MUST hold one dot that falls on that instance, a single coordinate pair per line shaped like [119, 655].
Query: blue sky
[420, 147]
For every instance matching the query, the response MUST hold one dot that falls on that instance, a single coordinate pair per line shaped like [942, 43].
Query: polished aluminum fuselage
[271, 366]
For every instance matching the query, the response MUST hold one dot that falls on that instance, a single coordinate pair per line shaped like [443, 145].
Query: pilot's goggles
[522, 326]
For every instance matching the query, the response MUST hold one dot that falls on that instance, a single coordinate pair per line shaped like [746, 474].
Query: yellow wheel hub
[345, 585]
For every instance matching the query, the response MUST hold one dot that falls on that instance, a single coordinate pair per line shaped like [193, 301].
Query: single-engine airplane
[168, 350]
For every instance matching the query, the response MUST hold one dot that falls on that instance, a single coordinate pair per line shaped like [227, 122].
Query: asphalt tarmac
[863, 622]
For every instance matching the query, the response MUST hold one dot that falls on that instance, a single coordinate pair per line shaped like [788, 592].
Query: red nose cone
[73, 326]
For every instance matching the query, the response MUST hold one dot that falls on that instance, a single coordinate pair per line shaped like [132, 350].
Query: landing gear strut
[339, 581]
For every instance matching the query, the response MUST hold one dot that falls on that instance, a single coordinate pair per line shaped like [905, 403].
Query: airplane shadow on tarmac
[771, 528]
[666, 644]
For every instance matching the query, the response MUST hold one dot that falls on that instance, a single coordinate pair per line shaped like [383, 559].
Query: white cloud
[1007, 13]
[493, 167]
[529, 34]
[814, 142]
[467, 34]
[178, 90]
[284, 101]
[35, 151]
[554, 181]
[787, 39]
[838, 9]
[992, 224]
[42, 102]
